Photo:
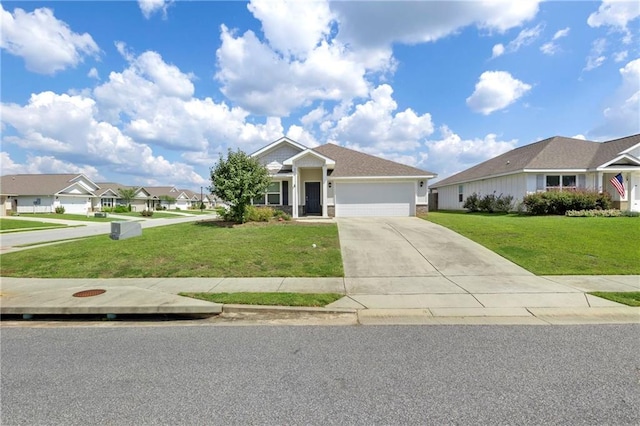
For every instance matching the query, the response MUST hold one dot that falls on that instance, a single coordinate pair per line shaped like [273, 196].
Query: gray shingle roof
[158, 191]
[350, 163]
[35, 184]
[556, 153]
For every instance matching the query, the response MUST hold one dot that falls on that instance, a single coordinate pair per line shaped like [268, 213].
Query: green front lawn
[554, 245]
[15, 225]
[631, 298]
[199, 249]
[272, 299]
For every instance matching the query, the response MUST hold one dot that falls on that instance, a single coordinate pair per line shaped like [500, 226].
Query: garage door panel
[375, 199]
[74, 205]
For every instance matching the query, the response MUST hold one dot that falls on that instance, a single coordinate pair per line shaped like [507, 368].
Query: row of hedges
[559, 203]
[254, 214]
[601, 213]
[489, 203]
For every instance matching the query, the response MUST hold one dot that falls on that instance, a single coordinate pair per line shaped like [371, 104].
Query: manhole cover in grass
[89, 293]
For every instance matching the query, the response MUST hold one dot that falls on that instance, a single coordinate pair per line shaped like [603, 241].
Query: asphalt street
[578, 375]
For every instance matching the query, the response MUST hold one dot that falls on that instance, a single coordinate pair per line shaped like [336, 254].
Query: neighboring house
[330, 180]
[168, 197]
[42, 193]
[109, 196]
[554, 164]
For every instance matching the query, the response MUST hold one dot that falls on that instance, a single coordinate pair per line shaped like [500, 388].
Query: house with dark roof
[109, 196]
[554, 164]
[331, 180]
[43, 193]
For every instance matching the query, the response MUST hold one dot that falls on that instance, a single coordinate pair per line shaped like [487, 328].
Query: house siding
[516, 185]
[278, 155]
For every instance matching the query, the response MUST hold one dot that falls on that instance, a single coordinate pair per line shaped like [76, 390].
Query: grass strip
[629, 298]
[272, 299]
[12, 225]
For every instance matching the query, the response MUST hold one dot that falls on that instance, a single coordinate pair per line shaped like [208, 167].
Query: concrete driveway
[412, 247]
[412, 259]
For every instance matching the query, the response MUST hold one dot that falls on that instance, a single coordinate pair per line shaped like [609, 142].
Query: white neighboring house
[109, 196]
[554, 164]
[168, 197]
[42, 193]
[330, 180]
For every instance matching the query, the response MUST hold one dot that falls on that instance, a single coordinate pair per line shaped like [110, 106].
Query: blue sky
[152, 92]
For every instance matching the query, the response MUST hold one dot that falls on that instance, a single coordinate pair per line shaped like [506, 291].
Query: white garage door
[375, 199]
[74, 205]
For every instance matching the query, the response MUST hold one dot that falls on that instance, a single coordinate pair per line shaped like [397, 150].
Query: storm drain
[89, 293]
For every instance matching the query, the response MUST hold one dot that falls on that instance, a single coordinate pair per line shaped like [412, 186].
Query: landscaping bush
[60, 210]
[279, 214]
[146, 213]
[559, 202]
[224, 213]
[472, 203]
[121, 209]
[258, 214]
[489, 203]
[106, 209]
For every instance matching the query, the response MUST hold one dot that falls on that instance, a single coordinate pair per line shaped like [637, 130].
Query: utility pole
[201, 200]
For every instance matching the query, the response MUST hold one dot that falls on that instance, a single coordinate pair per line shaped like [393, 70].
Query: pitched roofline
[381, 177]
[289, 161]
[618, 158]
[277, 142]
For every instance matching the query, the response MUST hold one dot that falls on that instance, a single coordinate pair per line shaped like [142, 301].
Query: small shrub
[224, 213]
[146, 213]
[489, 203]
[279, 214]
[106, 209]
[177, 208]
[121, 209]
[202, 206]
[60, 210]
[472, 203]
[258, 214]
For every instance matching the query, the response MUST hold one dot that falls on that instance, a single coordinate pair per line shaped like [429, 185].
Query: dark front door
[312, 198]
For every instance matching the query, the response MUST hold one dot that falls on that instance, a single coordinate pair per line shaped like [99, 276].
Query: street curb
[269, 309]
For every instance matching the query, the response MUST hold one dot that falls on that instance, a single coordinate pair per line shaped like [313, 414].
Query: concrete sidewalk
[380, 300]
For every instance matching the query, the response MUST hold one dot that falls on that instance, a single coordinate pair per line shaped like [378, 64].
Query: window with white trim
[272, 196]
[561, 182]
[460, 193]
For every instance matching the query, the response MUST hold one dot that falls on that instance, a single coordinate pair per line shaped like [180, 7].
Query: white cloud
[621, 117]
[46, 44]
[452, 154]
[149, 7]
[312, 23]
[45, 164]
[617, 15]
[496, 90]
[596, 54]
[64, 127]
[561, 33]
[579, 136]
[525, 38]
[620, 56]
[376, 24]
[93, 73]
[497, 50]
[375, 125]
[329, 72]
[551, 48]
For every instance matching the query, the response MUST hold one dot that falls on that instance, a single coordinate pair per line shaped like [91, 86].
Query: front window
[561, 182]
[272, 196]
[460, 193]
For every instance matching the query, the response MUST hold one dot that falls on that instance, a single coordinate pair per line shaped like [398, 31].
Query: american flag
[618, 182]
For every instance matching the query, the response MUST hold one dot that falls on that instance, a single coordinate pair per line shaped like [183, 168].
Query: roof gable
[309, 157]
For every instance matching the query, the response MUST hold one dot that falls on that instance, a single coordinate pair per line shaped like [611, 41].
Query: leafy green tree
[126, 195]
[237, 179]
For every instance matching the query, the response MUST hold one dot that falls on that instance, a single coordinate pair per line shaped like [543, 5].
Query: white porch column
[294, 193]
[324, 191]
[599, 187]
